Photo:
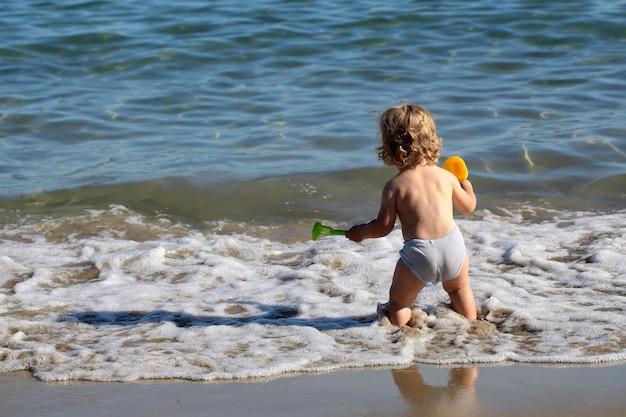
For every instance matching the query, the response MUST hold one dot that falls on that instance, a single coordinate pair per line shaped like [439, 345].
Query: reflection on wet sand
[456, 399]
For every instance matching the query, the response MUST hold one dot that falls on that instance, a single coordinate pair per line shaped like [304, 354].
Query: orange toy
[456, 165]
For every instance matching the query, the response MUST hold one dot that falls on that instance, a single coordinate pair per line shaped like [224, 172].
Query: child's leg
[461, 294]
[402, 295]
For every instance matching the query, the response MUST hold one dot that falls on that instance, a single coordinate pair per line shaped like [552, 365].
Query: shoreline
[498, 390]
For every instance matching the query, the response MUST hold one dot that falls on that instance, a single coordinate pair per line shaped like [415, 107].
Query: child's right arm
[463, 196]
[383, 224]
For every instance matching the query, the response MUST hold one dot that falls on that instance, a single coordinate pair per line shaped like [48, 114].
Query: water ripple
[300, 83]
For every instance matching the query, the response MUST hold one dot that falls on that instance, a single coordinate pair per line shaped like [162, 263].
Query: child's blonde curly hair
[409, 137]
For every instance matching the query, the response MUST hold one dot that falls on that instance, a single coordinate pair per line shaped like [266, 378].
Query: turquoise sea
[162, 163]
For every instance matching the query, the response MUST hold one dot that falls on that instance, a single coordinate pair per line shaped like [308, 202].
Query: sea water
[162, 165]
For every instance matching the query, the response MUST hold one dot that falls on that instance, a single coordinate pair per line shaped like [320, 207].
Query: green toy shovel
[320, 230]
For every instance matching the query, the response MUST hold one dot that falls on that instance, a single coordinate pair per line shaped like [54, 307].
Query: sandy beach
[506, 390]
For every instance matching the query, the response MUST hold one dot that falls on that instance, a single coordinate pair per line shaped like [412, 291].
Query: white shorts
[435, 260]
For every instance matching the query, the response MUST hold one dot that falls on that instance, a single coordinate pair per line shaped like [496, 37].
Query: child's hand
[354, 235]
[467, 185]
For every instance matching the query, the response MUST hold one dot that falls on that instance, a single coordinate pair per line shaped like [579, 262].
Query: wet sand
[506, 390]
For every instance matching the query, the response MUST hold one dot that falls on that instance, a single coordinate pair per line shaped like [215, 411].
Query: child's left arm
[463, 196]
[383, 224]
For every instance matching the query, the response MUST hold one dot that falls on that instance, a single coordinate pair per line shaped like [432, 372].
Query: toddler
[421, 196]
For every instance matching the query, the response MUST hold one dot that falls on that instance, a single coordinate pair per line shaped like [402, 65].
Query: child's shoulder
[420, 171]
[420, 175]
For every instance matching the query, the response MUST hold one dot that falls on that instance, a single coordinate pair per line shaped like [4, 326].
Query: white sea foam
[115, 297]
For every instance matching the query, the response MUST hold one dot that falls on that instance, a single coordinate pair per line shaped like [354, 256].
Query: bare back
[423, 198]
